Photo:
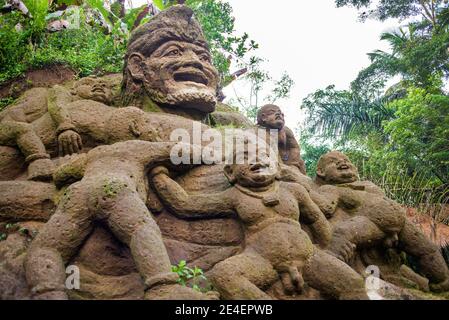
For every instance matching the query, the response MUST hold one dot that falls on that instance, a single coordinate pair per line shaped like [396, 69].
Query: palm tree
[332, 113]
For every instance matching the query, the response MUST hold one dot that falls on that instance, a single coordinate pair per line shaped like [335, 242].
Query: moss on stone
[150, 106]
[111, 188]
[225, 108]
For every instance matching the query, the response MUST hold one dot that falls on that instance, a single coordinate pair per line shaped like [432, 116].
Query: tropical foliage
[90, 36]
[397, 135]
[259, 81]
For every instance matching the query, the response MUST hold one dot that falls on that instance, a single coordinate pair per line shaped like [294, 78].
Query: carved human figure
[96, 124]
[271, 117]
[20, 134]
[168, 66]
[16, 128]
[112, 190]
[101, 89]
[99, 124]
[363, 218]
[275, 245]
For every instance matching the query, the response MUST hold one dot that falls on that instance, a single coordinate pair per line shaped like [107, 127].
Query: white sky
[316, 43]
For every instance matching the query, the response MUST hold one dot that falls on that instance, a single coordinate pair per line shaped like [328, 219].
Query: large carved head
[270, 116]
[335, 168]
[169, 60]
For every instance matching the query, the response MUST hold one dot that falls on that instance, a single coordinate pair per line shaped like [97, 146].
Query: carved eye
[205, 57]
[174, 52]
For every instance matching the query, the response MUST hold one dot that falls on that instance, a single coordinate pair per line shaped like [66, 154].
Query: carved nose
[194, 63]
[192, 60]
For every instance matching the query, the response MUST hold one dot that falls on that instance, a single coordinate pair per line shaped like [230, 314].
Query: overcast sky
[315, 42]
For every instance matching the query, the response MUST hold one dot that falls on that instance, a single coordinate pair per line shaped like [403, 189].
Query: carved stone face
[93, 88]
[336, 168]
[254, 172]
[179, 74]
[272, 117]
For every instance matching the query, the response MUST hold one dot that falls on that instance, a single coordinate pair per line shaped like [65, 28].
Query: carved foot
[178, 292]
[440, 287]
[41, 170]
[292, 279]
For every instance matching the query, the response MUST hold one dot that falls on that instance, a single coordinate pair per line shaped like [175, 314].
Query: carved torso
[274, 231]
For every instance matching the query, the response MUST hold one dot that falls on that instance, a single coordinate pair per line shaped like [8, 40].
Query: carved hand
[158, 170]
[342, 248]
[69, 142]
[292, 280]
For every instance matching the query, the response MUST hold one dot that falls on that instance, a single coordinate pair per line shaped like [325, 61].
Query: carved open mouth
[191, 76]
[258, 168]
[98, 90]
[343, 167]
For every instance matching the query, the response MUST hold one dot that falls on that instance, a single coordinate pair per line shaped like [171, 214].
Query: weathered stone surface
[26, 200]
[370, 229]
[12, 163]
[271, 117]
[13, 285]
[123, 212]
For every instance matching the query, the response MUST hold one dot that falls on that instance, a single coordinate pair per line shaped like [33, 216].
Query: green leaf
[159, 4]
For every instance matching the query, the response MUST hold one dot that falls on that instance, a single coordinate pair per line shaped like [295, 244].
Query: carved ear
[320, 173]
[229, 173]
[135, 66]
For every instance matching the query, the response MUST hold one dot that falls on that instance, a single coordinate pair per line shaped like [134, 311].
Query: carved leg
[352, 233]
[333, 277]
[56, 243]
[431, 262]
[242, 277]
[22, 135]
[132, 223]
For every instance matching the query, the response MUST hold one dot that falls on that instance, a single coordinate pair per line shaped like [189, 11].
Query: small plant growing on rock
[193, 278]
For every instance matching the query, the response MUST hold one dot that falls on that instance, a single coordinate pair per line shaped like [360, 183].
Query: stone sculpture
[275, 245]
[363, 217]
[168, 63]
[121, 212]
[271, 117]
[112, 190]
[17, 122]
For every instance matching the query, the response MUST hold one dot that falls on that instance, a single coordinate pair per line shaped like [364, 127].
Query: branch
[140, 17]
[235, 76]
[429, 13]
[239, 99]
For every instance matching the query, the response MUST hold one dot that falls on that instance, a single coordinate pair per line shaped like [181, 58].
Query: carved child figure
[16, 128]
[112, 191]
[275, 244]
[271, 117]
[100, 89]
[363, 217]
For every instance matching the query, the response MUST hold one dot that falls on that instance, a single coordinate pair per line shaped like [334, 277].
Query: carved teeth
[192, 76]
